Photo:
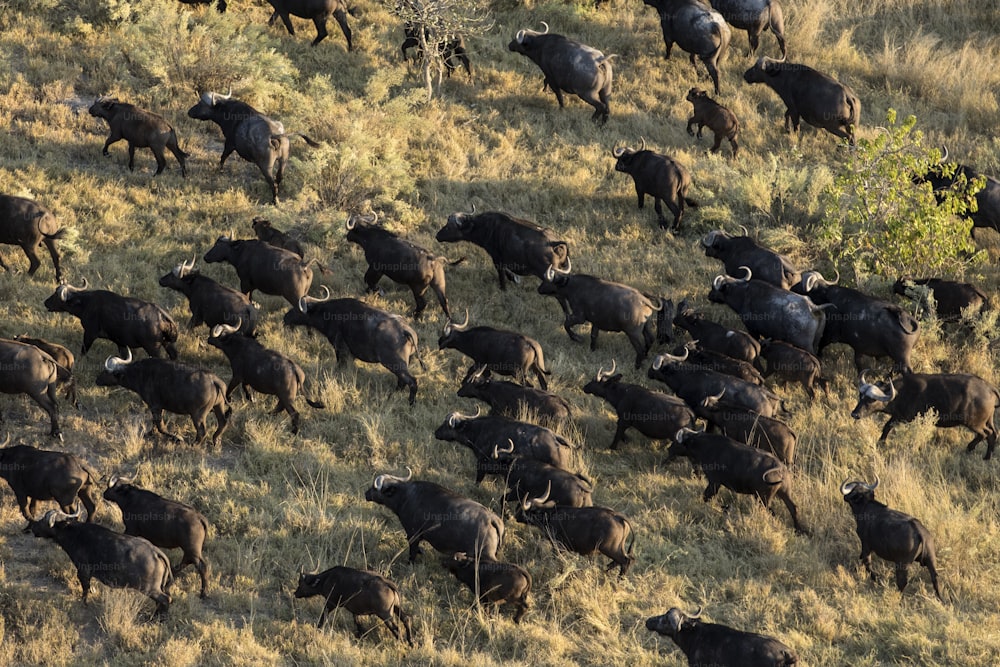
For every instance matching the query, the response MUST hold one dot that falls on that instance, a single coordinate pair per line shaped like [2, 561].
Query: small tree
[881, 217]
[442, 22]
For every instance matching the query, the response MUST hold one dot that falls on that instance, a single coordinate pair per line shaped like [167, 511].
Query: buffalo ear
[772, 69]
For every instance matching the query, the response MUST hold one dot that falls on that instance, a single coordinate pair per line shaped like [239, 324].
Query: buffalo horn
[872, 487]
[569, 267]
[697, 614]
[709, 239]
[675, 357]
[944, 153]
[114, 363]
[618, 151]
[546, 28]
[550, 273]
[892, 392]
[717, 283]
[745, 231]
[519, 37]
[208, 98]
[682, 434]
[64, 290]
[452, 419]
[846, 487]
[863, 379]
[657, 362]
[478, 374]
[226, 329]
[601, 374]
[643, 147]
[351, 223]
[306, 300]
[710, 401]
[114, 480]
[6, 441]
[464, 325]
[748, 272]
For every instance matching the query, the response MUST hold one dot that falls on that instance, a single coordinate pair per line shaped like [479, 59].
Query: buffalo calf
[360, 592]
[491, 581]
[720, 120]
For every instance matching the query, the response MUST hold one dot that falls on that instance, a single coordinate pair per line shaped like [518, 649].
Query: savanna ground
[278, 502]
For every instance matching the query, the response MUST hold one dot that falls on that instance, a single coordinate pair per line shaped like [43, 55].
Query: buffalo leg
[710, 491]
[200, 430]
[322, 618]
[659, 213]
[321, 33]
[442, 299]
[161, 161]
[372, 276]
[158, 424]
[619, 434]
[27, 507]
[131, 156]
[975, 441]
[286, 405]
[84, 580]
[227, 150]
[540, 374]
[885, 430]
[559, 95]
[88, 504]
[222, 419]
[179, 154]
[114, 137]
[47, 401]
[736, 146]
[641, 195]
[341, 17]
[571, 321]
[754, 41]
[404, 618]
[793, 510]
[171, 350]
[991, 443]
[594, 331]
[902, 576]
[33, 261]
[718, 143]
[866, 558]
[284, 19]
[640, 345]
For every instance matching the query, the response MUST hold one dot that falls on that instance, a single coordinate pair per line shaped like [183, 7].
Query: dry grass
[278, 502]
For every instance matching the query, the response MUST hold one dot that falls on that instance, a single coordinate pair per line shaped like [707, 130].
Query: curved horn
[717, 283]
[862, 380]
[464, 325]
[208, 98]
[519, 37]
[550, 273]
[456, 418]
[710, 401]
[228, 95]
[697, 614]
[306, 300]
[114, 363]
[351, 222]
[617, 151]
[601, 374]
[892, 392]
[546, 28]
[709, 239]
[658, 362]
[748, 272]
[675, 357]
[872, 487]
[643, 147]
[944, 156]
[745, 231]
[545, 496]
[835, 280]
[6, 441]
[569, 267]
[64, 290]
[847, 486]
[683, 433]
[497, 451]
[114, 480]
[810, 282]
[478, 374]
[379, 481]
[225, 329]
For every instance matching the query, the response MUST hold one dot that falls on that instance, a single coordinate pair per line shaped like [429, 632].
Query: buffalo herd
[719, 377]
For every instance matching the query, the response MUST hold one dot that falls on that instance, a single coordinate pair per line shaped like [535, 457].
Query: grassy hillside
[278, 502]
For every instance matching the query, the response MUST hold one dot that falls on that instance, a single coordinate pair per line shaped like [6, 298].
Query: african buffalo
[505, 352]
[210, 302]
[141, 129]
[791, 363]
[715, 337]
[255, 137]
[317, 10]
[513, 400]
[26, 223]
[451, 50]
[268, 234]
[30, 371]
[719, 645]
[658, 176]
[738, 251]
[814, 97]
[492, 581]
[697, 29]
[527, 476]
[743, 425]
[569, 66]
[951, 299]
[957, 177]
[62, 356]
[39, 474]
[754, 16]
[262, 266]
[720, 120]
[361, 593]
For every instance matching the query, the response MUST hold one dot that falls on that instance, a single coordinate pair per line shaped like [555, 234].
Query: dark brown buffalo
[737, 422]
[316, 10]
[754, 16]
[491, 581]
[889, 534]
[360, 592]
[262, 266]
[951, 299]
[25, 369]
[658, 176]
[715, 337]
[814, 97]
[716, 645]
[62, 356]
[736, 252]
[40, 474]
[268, 234]
[696, 28]
[210, 302]
[720, 120]
[792, 364]
[28, 224]
[512, 400]
[505, 352]
[141, 129]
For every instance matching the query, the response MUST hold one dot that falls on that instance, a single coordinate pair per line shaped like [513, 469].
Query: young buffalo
[492, 581]
[141, 129]
[720, 120]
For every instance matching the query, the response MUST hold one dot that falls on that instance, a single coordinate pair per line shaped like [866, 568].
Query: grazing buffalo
[508, 399]
[255, 137]
[262, 266]
[268, 234]
[720, 120]
[505, 352]
[172, 386]
[656, 415]
[360, 592]
[402, 261]
[167, 524]
[737, 422]
[889, 534]
[738, 251]
[869, 326]
[141, 129]
[605, 305]
[267, 371]
[62, 356]
[452, 50]
[715, 337]
[447, 521]
[720, 645]
[28, 370]
[569, 66]
[358, 330]
[754, 16]
[658, 176]
[583, 530]
[210, 302]
[114, 559]
[697, 29]
[317, 10]
[952, 299]
[491, 581]
[517, 247]
[814, 97]
[28, 224]
[771, 312]
[794, 364]
[482, 435]
[40, 474]
[951, 176]
[126, 322]
[958, 400]
[739, 467]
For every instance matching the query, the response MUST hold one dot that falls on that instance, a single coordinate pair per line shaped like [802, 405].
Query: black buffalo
[698, 358]
[358, 330]
[501, 351]
[128, 323]
[659, 176]
[814, 97]
[30, 371]
[696, 28]
[508, 399]
[739, 423]
[754, 16]
[262, 266]
[656, 415]
[719, 645]
[791, 363]
[316, 10]
[167, 524]
[62, 356]
[28, 224]
[141, 129]
[40, 474]
[269, 234]
[451, 50]
[447, 521]
[569, 66]
[951, 176]
[952, 299]
[402, 262]
[738, 251]
[360, 592]
[958, 400]
[889, 534]
[715, 337]
[172, 386]
[255, 137]
[210, 302]
[491, 581]
[528, 477]
[517, 247]
[118, 560]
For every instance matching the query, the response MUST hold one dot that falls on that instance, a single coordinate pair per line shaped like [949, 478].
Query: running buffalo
[262, 266]
[958, 400]
[126, 322]
[316, 10]
[62, 356]
[141, 129]
[30, 371]
[720, 120]
[358, 330]
[609, 306]
[737, 251]
[754, 16]
[720, 645]
[361, 593]
[517, 247]
[791, 363]
[270, 234]
[715, 337]
[492, 581]
[739, 423]
[402, 261]
[696, 28]
[569, 66]
[39, 474]
[814, 97]
[508, 399]
[210, 302]
[447, 521]
[951, 299]
[505, 352]
[526, 476]
[28, 224]
[658, 176]
[255, 137]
